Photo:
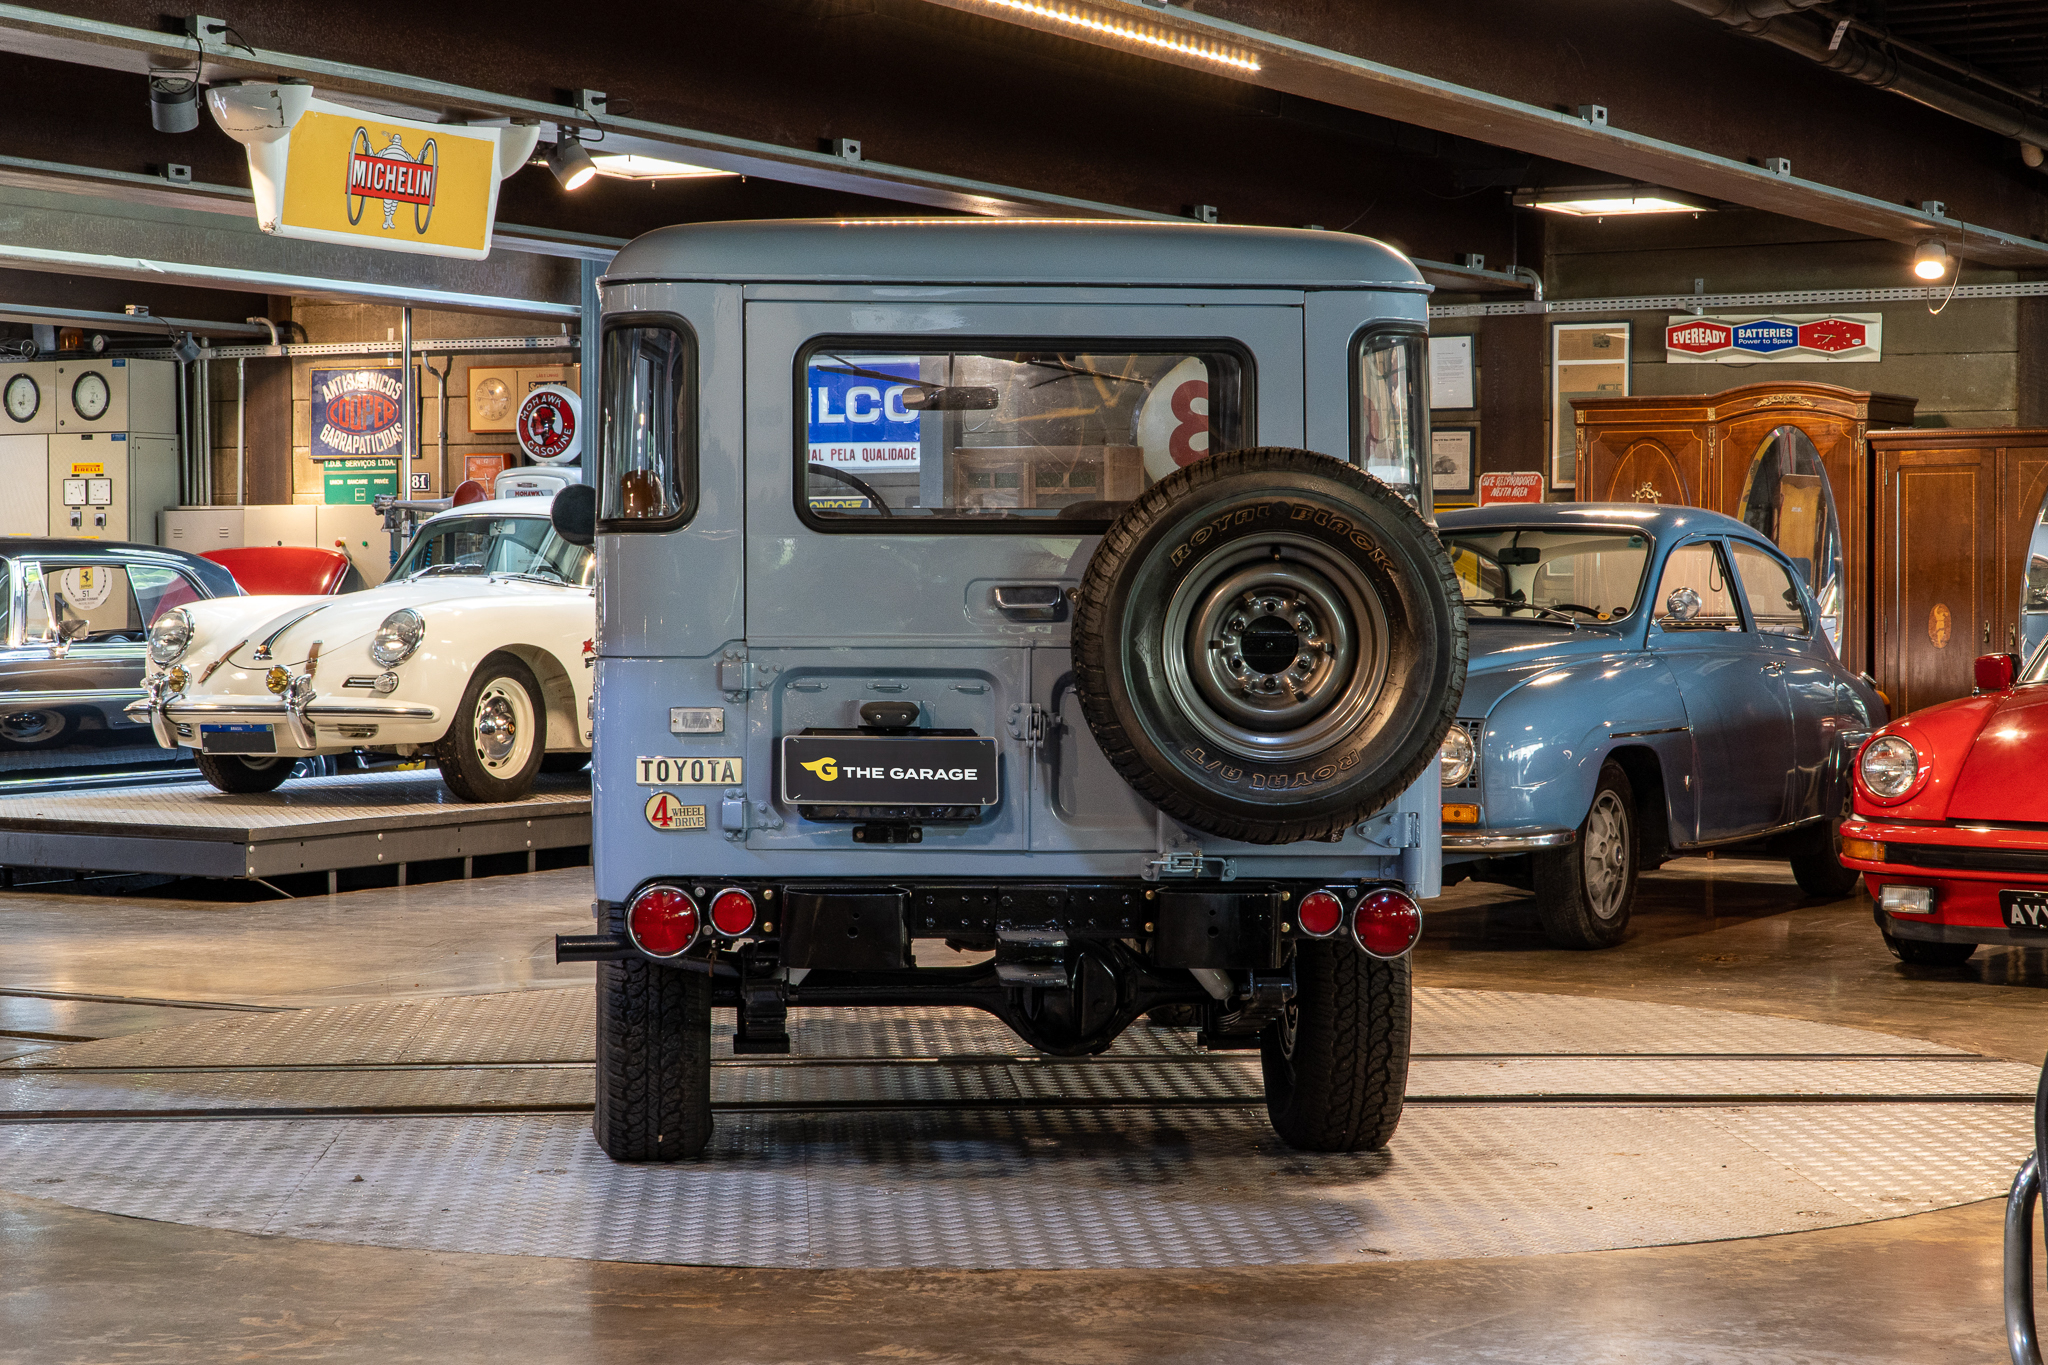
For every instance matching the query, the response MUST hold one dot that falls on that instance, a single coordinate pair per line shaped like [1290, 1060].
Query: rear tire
[1336, 1064]
[234, 773]
[1817, 862]
[1584, 893]
[653, 1062]
[1918, 952]
[495, 744]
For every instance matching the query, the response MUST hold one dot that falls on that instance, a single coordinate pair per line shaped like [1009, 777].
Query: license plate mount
[237, 739]
[2024, 909]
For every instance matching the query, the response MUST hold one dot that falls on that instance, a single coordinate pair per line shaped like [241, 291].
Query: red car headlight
[1889, 768]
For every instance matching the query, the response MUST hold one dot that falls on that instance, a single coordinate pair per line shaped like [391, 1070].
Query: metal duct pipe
[1777, 21]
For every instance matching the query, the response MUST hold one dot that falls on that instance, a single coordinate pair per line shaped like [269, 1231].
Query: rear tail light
[662, 921]
[732, 912]
[1321, 914]
[1386, 923]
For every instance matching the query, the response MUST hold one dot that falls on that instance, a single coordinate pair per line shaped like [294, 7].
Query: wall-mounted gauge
[90, 395]
[23, 397]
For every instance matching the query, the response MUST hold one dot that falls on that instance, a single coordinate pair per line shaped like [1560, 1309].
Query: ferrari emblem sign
[1803, 337]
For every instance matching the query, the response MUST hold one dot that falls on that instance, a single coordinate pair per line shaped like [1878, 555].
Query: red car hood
[2001, 777]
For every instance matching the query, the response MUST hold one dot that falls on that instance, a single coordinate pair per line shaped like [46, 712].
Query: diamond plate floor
[917, 1138]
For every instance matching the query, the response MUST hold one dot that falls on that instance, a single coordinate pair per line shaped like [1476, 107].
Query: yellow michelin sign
[329, 173]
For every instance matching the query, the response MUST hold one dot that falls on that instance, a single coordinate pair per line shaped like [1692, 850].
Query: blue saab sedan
[1645, 682]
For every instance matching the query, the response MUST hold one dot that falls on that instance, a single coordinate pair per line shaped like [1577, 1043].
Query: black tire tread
[1092, 663]
[653, 1062]
[454, 760]
[229, 773]
[1558, 877]
[1349, 1074]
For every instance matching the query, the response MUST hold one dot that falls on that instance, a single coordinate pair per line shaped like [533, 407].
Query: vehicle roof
[1658, 520]
[533, 506]
[55, 547]
[1013, 251]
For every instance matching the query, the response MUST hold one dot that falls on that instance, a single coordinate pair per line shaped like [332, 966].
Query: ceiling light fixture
[1145, 35]
[570, 163]
[1930, 260]
[1608, 201]
[626, 166]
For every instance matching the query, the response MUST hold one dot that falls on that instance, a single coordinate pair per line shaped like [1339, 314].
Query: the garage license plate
[891, 770]
[237, 739]
[2024, 909]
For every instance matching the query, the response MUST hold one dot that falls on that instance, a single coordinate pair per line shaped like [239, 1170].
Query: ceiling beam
[1183, 38]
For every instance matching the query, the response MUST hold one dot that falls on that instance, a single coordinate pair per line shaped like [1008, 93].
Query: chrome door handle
[1773, 668]
[1031, 601]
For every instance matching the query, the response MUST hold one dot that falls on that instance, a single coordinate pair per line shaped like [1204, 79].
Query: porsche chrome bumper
[165, 711]
[1522, 840]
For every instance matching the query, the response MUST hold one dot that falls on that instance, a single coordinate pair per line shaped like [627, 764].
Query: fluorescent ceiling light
[1607, 202]
[1144, 35]
[626, 166]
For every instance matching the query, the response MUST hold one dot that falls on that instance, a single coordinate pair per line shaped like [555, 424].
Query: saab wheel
[1336, 1062]
[1817, 861]
[564, 763]
[237, 773]
[1584, 892]
[653, 1062]
[1918, 952]
[495, 746]
[1269, 645]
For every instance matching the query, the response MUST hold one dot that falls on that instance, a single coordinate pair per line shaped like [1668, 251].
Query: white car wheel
[494, 748]
[502, 727]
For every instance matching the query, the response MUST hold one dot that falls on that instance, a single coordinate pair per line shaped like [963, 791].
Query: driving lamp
[1930, 261]
[1889, 766]
[170, 637]
[398, 637]
[1456, 756]
[1906, 900]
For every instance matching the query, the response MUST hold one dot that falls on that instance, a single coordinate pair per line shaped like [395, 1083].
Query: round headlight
[398, 637]
[171, 636]
[1889, 766]
[1457, 757]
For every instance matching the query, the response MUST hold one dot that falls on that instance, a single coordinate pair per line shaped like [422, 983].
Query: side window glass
[1694, 592]
[647, 445]
[98, 597]
[1392, 427]
[35, 605]
[1773, 599]
[157, 590]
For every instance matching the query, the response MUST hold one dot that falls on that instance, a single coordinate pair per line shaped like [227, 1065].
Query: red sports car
[1950, 828]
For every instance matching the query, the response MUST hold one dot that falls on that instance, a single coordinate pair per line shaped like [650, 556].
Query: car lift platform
[319, 824]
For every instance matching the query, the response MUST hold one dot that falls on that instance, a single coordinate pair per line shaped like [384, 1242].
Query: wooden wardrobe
[1955, 512]
[1696, 451]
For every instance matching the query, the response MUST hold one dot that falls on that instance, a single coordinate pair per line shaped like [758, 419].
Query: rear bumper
[1523, 840]
[1966, 903]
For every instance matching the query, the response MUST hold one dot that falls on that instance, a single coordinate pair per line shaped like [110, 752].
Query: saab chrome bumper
[1522, 840]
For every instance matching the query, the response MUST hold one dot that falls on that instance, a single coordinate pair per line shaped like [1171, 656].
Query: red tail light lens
[732, 912]
[662, 921]
[1320, 914]
[1386, 924]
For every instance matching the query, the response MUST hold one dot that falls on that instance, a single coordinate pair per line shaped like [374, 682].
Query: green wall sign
[359, 481]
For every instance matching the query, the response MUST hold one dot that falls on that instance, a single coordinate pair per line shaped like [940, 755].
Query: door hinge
[1393, 829]
[732, 674]
[1031, 724]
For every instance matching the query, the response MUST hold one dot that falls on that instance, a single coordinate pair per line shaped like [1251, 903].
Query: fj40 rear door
[925, 484]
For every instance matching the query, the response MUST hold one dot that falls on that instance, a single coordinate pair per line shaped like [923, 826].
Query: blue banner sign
[856, 419]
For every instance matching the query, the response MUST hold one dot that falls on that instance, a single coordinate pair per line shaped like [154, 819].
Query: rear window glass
[1007, 435]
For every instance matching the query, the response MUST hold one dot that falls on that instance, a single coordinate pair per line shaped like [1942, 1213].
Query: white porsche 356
[475, 651]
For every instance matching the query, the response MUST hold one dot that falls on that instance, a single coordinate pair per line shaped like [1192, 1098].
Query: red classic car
[1950, 828]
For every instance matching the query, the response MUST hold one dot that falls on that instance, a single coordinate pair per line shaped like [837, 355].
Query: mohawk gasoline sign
[392, 183]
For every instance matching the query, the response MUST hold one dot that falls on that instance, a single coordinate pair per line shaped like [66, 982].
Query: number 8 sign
[1173, 426]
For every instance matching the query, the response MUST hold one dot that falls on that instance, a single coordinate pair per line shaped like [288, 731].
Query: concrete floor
[81, 1286]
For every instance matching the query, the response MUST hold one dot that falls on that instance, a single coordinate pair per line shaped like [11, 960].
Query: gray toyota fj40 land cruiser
[977, 582]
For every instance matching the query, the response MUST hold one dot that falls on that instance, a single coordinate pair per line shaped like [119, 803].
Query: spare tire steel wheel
[1269, 645]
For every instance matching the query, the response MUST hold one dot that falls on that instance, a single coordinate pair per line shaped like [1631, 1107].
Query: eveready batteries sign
[1802, 337]
[857, 420]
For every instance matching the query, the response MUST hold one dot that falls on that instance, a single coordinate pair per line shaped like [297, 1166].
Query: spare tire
[1269, 645]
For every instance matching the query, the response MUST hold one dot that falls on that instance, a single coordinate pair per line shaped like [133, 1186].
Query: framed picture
[1587, 360]
[1451, 458]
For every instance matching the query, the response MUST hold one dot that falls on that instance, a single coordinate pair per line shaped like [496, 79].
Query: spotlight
[173, 103]
[1930, 262]
[571, 164]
